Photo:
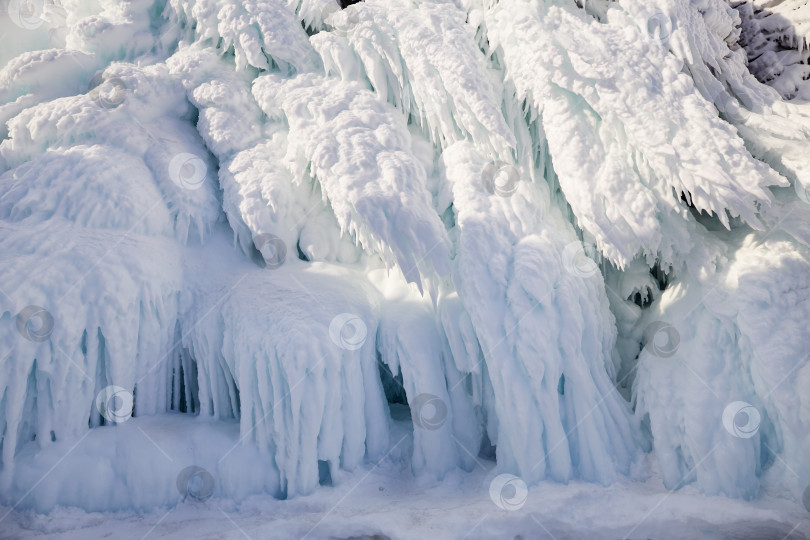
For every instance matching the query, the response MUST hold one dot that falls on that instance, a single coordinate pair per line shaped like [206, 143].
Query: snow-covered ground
[384, 499]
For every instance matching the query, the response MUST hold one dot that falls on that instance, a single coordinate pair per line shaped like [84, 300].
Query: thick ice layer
[93, 216]
[408, 185]
[426, 62]
[559, 415]
[774, 288]
[360, 151]
[303, 394]
[136, 465]
[261, 33]
[776, 49]
[146, 117]
[111, 301]
[261, 196]
[724, 346]
[775, 131]
[446, 432]
[639, 160]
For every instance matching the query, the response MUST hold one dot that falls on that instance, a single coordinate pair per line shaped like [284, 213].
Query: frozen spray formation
[562, 233]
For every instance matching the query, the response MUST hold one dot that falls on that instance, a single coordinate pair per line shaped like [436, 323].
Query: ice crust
[657, 174]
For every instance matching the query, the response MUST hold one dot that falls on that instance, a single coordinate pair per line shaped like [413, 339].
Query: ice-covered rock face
[774, 36]
[555, 234]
